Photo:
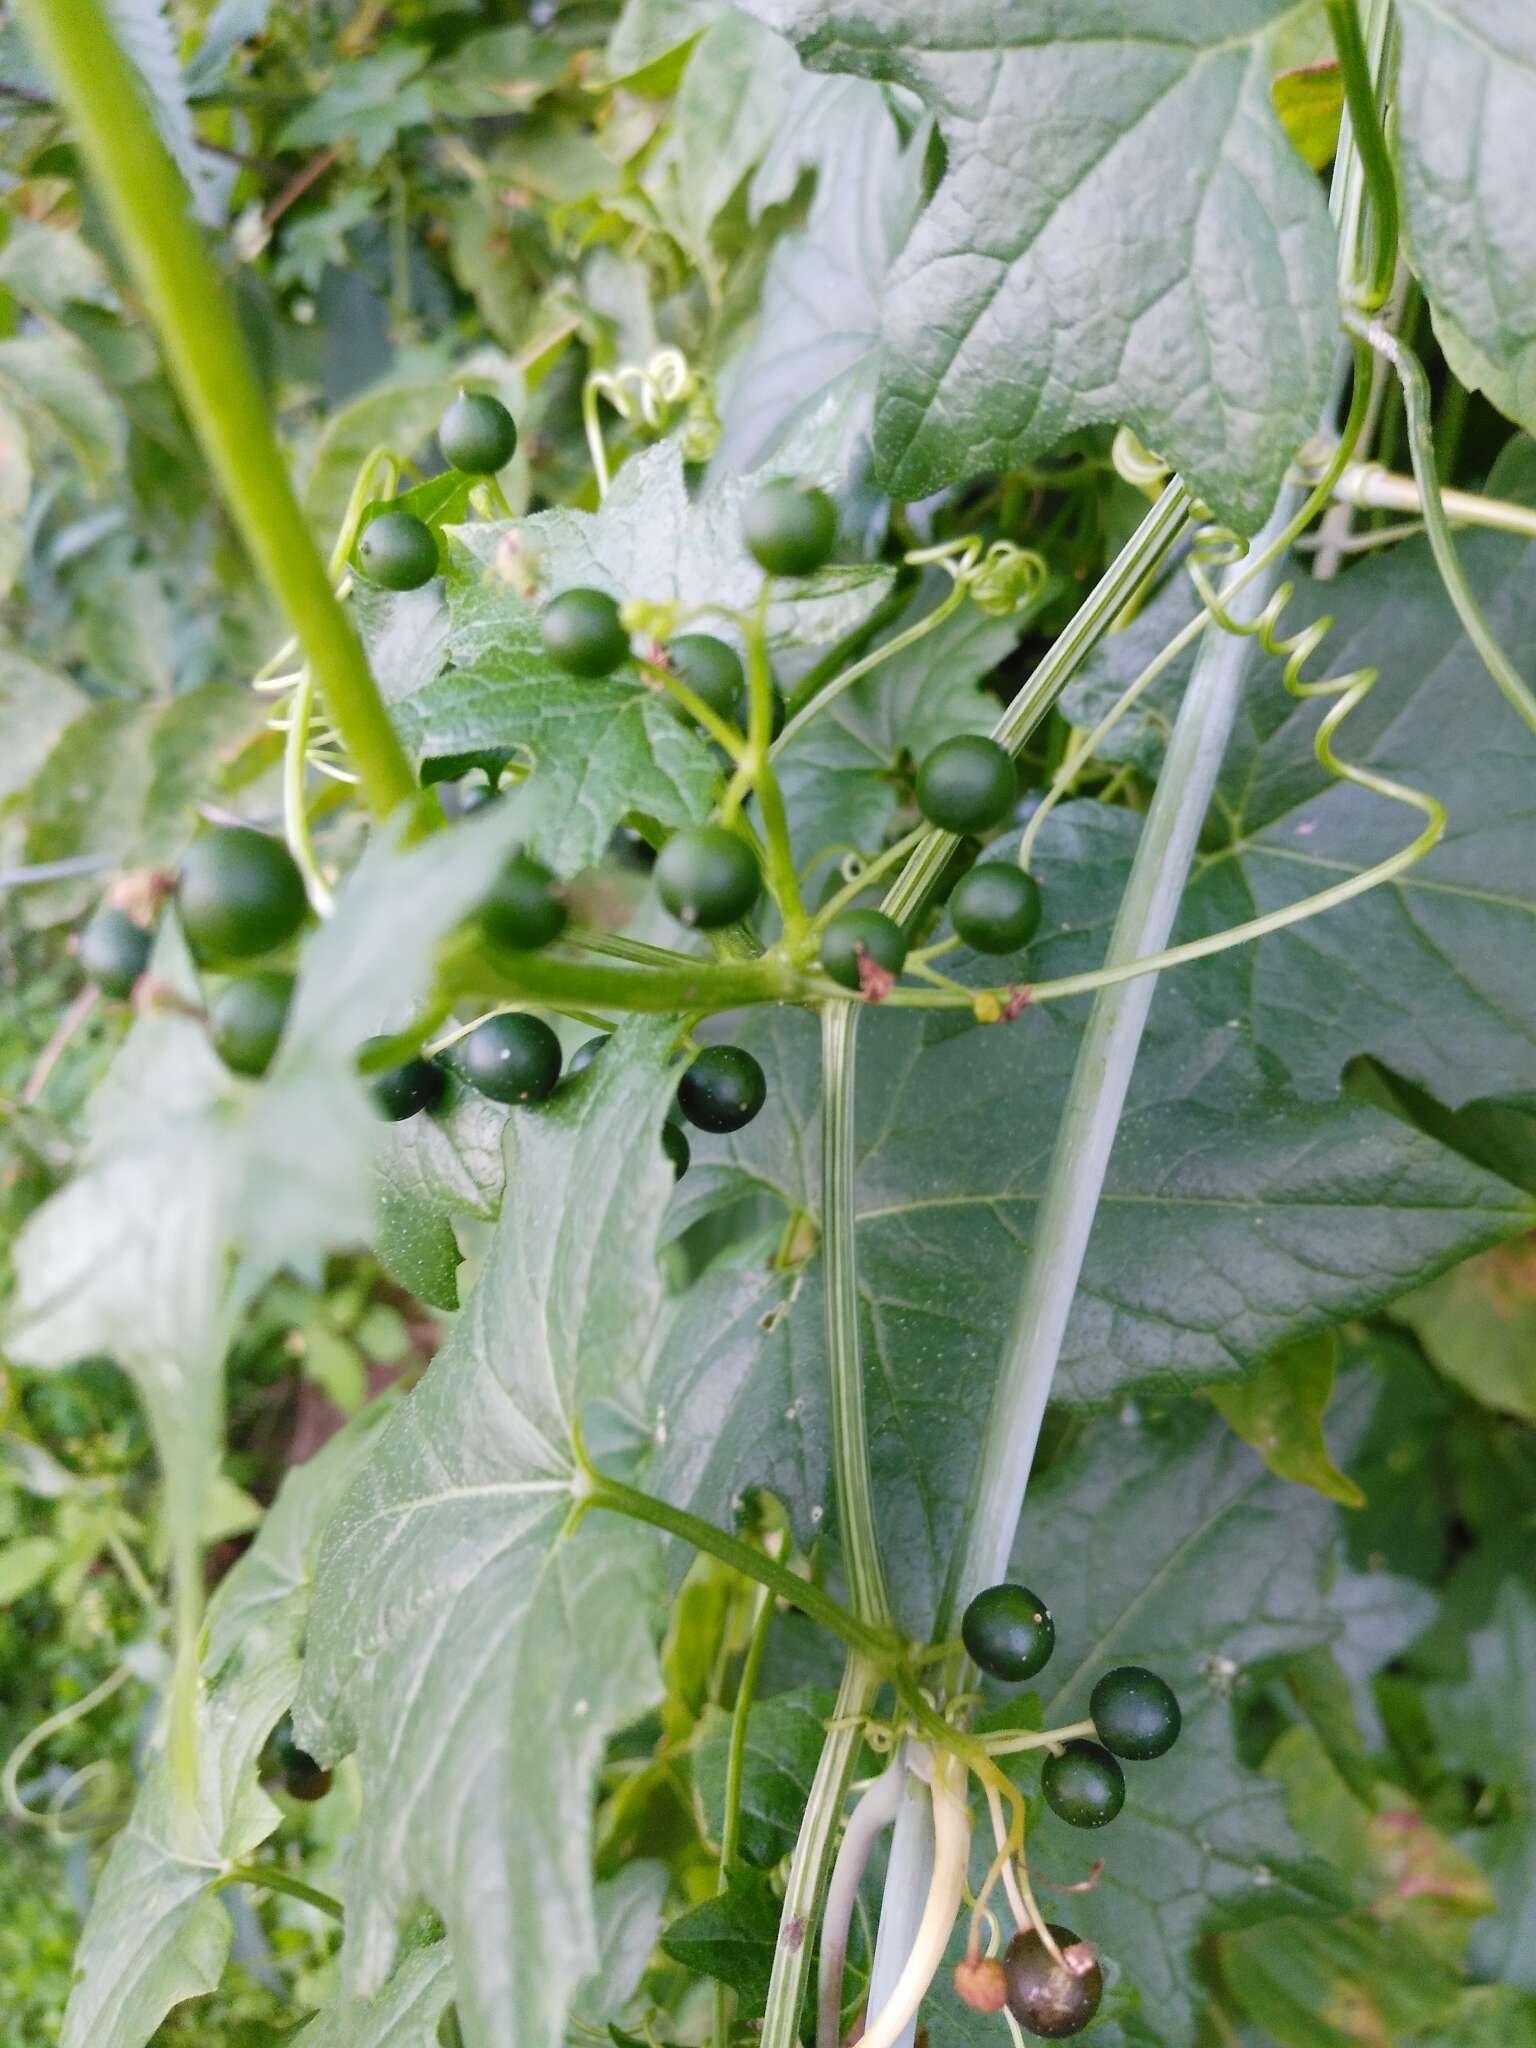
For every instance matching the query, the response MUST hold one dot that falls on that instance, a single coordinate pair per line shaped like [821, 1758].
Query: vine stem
[150, 210]
[811, 1859]
[271, 1879]
[850, 1444]
[469, 968]
[1097, 1094]
[871, 1642]
[735, 1772]
[1421, 450]
[830, 692]
[909, 1857]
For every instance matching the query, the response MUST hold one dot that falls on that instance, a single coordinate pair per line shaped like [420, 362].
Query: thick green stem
[850, 1439]
[149, 207]
[470, 968]
[1371, 144]
[784, 1584]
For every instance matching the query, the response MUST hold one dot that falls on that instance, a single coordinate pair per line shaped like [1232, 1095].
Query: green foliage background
[1291, 1456]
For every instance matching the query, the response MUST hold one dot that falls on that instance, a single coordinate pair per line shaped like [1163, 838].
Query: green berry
[708, 876]
[399, 1092]
[114, 952]
[583, 633]
[858, 936]
[524, 909]
[966, 784]
[587, 1052]
[1135, 1713]
[397, 550]
[790, 529]
[1008, 1632]
[677, 1149]
[511, 1058]
[710, 668]
[303, 1778]
[723, 1090]
[239, 894]
[995, 908]
[1084, 1785]
[1048, 2000]
[477, 435]
[246, 1020]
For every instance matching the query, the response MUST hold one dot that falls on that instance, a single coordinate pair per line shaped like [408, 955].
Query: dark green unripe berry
[967, 784]
[1048, 2000]
[710, 668]
[583, 634]
[677, 1149]
[708, 876]
[1084, 1785]
[723, 1090]
[397, 550]
[114, 952]
[478, 435]
[790, 529]
[1008, 1632]
[400, 1091]
[855, 937]
[303, 1778]
[524, 909]
[239, 894]
[587, 1052]
[1135, 1713]
[246, 1019]
[995, 907]
[511, 1058]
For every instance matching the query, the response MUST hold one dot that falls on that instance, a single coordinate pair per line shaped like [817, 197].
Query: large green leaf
[1122, 215]
[405, 2014]
[157, 1932]
[1466, 103]
[1487, 1727]
[36, 707]
[733, 100]
[473, 1647]
[433, 1172]
[600, 749]
[1235, 1219]
[1434, 972]
[813, 355]
[169, 1225]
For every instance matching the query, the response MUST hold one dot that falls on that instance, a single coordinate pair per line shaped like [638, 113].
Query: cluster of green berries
[478, 437]
[240, 897]
[1008, 1633]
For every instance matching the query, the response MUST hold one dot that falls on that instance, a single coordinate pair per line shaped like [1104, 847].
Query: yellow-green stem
[150, 210]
